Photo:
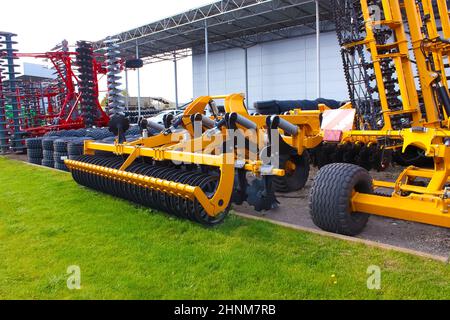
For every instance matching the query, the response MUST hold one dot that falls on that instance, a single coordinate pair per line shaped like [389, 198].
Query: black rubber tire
[37, 161]
[330, 198]
[57, 156]
[60, 145]
[48, 163]
[35, 153]
[60, 166]
[74, 149]
[34, 143]
[48, 155]
[293, 181]
[47, 143]
[267, 107]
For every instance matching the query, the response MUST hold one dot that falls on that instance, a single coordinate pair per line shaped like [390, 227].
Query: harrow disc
[156, 199]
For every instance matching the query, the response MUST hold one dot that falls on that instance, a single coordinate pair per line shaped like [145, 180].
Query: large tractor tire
[331, 195]
[297, 173]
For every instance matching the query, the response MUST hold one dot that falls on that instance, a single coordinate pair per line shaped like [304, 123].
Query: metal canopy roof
[231, 24]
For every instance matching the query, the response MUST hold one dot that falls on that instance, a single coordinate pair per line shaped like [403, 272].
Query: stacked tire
[75, 148]
[34, 150]
[134, 131]
[133, 116]
[60, 153]
[52, 149]
[98, 133]
[47, 146]
[281, 106]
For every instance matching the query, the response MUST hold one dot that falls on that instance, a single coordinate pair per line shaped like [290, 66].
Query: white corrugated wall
[283, 69]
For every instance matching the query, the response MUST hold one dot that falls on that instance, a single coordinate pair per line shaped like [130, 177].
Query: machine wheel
[297, 173]
[330, 198]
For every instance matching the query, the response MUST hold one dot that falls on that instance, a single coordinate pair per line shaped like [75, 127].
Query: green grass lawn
[48, 223]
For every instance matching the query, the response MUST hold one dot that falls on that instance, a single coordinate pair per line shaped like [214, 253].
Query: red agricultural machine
[33, 107]
[70, 101]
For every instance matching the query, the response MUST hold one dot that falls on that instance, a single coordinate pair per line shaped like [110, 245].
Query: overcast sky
[42, 24]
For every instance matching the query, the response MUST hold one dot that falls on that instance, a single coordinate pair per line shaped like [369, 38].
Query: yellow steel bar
[212, 206]
[404, 208]
[442, 171]
[420, 173]
[372, 46]
[156, 141]
[405, 92]
[166, 186]
[425, 76]
[158, 154]
[180, 156]
[435, 187]
[388, 15]
[433, 34]
[400, 134]
[418, 190]
[407, 82]
[431, 21]
[383, 184]
[131, 158]
[218, 97]
[444, 17]
[373, 133]
[255, 167]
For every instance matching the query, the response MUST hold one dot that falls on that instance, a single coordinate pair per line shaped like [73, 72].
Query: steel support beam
[319, 78]
[207, 59]
[175, 65]
[246, 77]
[139, 83]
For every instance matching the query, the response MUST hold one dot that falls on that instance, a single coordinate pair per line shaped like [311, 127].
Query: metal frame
[65, 112]
[222, 25]
[418, 194]
[161, 147]
[231, 24]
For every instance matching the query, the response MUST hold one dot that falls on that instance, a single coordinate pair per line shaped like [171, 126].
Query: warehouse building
[283, 70]
[267, 49]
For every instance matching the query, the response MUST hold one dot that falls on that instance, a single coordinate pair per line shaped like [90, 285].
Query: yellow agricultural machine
[395, 54]
[197, 165]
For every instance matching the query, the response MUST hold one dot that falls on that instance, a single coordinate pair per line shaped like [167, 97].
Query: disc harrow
[159, 199]
[198, 165]
[85, 62]
[116, 102]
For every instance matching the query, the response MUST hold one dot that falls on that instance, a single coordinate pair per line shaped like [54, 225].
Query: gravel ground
[410, 235]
